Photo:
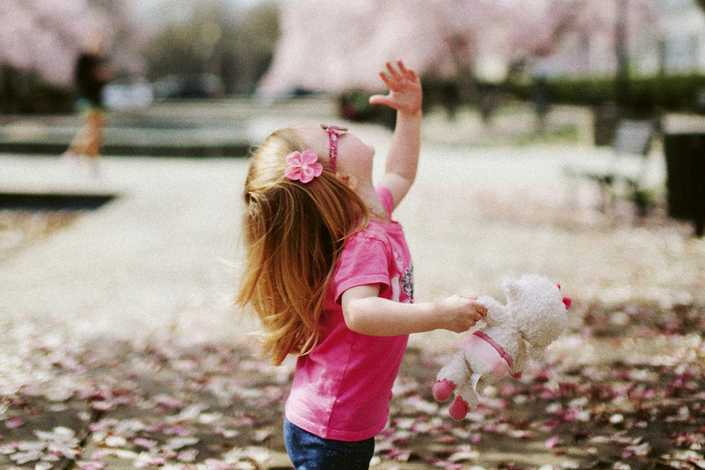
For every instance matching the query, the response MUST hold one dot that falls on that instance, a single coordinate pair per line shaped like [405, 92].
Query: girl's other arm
[405, 95]
[368, 314]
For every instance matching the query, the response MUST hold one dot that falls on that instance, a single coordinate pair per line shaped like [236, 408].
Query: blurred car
[128, 94]
[189, 87]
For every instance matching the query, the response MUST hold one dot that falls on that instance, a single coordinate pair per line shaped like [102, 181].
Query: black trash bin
[685, 182]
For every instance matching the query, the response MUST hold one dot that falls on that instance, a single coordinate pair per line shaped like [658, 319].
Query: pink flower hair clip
[303, 166]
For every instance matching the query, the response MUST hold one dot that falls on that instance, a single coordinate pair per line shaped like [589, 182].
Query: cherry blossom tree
[338, 46]
[612, 21]
[46, 36]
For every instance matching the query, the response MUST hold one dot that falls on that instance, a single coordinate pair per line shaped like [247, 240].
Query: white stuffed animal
[534, 317]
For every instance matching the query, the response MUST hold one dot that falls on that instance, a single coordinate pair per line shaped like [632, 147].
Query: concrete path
[163, 257]
[159, 258]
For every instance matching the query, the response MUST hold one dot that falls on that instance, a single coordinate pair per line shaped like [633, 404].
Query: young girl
[330, 276]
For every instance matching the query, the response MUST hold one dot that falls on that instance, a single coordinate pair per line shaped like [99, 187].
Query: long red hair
[293, 234]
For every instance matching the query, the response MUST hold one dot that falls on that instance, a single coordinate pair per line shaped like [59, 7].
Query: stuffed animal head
[537, 307]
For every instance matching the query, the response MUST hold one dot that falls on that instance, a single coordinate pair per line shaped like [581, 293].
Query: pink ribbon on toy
[489, 352]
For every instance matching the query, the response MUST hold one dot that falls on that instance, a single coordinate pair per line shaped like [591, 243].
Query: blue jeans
[310, 452]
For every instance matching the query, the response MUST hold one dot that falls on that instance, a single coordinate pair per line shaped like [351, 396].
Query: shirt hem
[334, 434]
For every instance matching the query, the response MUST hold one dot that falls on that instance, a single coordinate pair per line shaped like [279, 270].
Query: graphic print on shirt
[407, 282]
[403, 283]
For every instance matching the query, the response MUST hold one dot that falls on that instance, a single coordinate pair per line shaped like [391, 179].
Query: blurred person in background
[91, 76]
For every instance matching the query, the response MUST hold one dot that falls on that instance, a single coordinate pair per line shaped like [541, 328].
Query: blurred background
[647, 56]
[110, 275]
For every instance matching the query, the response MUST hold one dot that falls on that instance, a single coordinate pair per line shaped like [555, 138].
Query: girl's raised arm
[405, 95]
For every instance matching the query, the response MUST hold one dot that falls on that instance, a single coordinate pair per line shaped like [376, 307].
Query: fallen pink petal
[14, 423]
[552, 442]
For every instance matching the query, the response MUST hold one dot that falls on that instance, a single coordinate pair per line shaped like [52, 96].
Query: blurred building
[660, 36]
[683, 46]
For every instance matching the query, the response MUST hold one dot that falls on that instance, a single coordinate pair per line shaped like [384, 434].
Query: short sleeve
[364, 261]
[387, 200]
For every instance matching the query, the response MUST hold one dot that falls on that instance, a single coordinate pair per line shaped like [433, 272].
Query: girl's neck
[374, 204]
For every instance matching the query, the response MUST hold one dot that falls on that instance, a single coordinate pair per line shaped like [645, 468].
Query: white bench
[624, 173]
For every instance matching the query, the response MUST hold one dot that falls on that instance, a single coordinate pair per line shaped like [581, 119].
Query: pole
[622, 77]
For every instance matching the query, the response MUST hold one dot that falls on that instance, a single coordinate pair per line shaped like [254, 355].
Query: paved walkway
[161, 261]
[163, 256]
[156, 259]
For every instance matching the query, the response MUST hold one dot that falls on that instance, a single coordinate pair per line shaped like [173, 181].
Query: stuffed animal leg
[456, 376]
[471, 369]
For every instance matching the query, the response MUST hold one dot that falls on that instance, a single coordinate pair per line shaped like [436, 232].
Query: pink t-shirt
[342, 388]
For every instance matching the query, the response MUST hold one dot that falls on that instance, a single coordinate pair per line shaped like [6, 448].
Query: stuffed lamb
[534, 317]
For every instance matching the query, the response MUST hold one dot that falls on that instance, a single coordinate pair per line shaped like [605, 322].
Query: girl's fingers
[393, 71]
[400, 75]
[407, 73]
[386, 79]
[397, 79]
[404, 71]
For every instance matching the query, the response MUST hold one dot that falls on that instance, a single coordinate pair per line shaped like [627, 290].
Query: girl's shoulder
[373, 232]
[372, 238]
[387, 200]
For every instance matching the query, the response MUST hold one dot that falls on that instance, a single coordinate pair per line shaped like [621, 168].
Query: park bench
[623, 175]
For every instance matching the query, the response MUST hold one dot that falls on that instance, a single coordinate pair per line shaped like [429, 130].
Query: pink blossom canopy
[335, 47]
[47, 35]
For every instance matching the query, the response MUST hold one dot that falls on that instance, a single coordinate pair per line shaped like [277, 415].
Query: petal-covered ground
[623, 389]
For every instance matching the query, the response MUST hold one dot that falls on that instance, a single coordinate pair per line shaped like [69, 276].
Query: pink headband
[333, 136]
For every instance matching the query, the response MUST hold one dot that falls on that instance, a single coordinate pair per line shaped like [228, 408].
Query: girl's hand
[459, 314]
[405, 93]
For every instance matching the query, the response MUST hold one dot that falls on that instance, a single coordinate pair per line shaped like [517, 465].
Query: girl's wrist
[411, 114]
[437, 315]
